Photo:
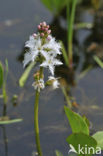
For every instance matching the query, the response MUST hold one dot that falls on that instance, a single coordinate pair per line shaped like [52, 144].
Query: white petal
[44, 53]
[51, 68]
[44, 64]
[31, 42]
[53, 45]
[51, 78]
[39, 84]
[55, 84]
[39, 42]
[57, 62]
[28, 57]
[52, 53]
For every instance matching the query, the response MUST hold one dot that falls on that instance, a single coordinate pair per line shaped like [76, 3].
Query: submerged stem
[36, 121]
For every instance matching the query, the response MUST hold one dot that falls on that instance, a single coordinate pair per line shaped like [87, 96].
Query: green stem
[4, 99]
[66, 97]
[4, 88]
[70, 20]
[36, 121]
[4, 93]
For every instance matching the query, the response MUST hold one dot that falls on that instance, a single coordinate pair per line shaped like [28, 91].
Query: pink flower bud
[42, 34]
[49, 38]
[43, 28]
[49, 31]
[48, 26]
[44, 24]
[34, 35]
[39, 27]
[46, 29]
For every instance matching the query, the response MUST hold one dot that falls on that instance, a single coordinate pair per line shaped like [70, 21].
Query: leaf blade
[98, 136]
[10, 121]
[77, 123]
[82, 140]
[25, 75]
[1, 75]
[65, 56]
[99, 62]
[58, 153]
[54, 6]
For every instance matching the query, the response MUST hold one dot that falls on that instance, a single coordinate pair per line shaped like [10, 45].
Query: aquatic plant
[55, 6]
[98, 61]
[4, 119]
[70, 27]
[42, 49]
[81, 135]
[3, 80]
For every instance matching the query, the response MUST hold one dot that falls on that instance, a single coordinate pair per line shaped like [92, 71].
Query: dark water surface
[19, 19]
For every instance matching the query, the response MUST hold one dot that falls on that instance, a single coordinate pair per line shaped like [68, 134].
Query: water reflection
[5, 139]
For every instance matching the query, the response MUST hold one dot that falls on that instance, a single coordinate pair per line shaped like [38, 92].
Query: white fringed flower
[29, 56]
[38, 85]
[51, 62]
[43, 48]
[52, 45]
[55, 83]
[36, 47]
[31, 42]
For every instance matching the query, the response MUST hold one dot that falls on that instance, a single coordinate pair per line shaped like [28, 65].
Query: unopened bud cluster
[44, 30]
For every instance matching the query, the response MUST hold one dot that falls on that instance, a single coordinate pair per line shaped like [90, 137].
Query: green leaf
[77, 123]
[10, 121]
[99, 62]
[26, 73]
[1, 75]
[83, 141]
[54, 6]
[86, 120]
[7, 69]
[98, 136]
[5, 81]
[64, 54]
[58, 153]
[4, 93]
[48, 4]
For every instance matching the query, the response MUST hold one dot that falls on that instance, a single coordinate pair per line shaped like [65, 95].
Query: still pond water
[18, 19]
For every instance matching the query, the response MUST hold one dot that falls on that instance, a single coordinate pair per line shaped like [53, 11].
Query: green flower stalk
[43, 48]
[36, 121]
